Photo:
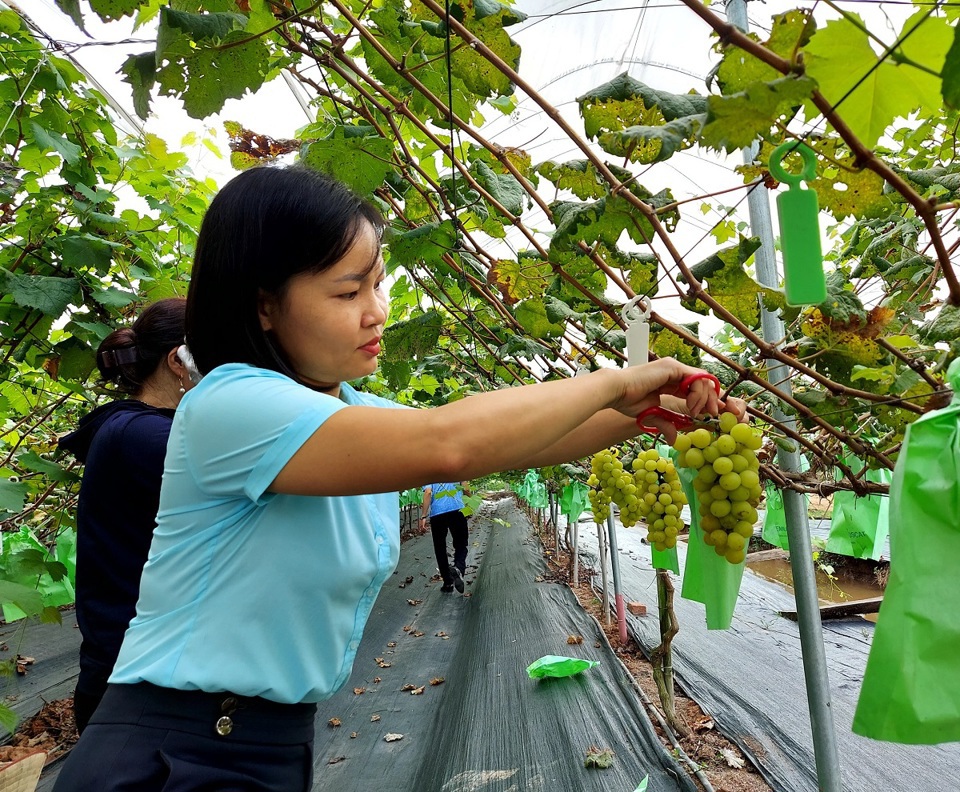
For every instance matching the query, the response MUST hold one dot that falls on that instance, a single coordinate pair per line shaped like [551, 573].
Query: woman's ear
[266, 306]
[176, 365]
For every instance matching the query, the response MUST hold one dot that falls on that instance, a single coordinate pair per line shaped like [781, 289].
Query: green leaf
[424, 245]
[734, 122]
[72, 9]
[604, 220]
[112, 297]
[362, 163]
[29, 600]
[109, 10]
[648, 144]
[81, 251]
[520, 278]
[843, 63]
[13, 495]
[174, 25]
[414, 338]
[623, 101]
[945, 326]
[36, 463]
[739, 69]
[8, 718]
[842, 304]
[532, 316]
[46, 294]
[504, 187]
[49, 142]
[578, 176]
[140, 72]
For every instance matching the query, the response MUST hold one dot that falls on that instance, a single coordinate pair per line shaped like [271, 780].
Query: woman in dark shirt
[122, 445]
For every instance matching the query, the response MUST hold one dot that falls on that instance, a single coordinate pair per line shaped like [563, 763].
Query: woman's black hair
[265, 226]
[129, 356]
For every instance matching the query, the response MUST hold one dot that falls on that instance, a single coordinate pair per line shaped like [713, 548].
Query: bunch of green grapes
[606, 473]
[727, 483]
[660, 499]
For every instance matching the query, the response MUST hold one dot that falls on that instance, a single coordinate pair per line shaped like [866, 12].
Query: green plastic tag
[799, 212]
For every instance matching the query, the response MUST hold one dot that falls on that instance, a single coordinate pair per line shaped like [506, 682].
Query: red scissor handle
[679, 420]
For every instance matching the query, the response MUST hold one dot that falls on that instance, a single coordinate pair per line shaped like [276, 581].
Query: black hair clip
[114, 358]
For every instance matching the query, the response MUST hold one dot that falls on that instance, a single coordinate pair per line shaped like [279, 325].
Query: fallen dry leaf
[414, 602]
[418, 634]
[441, 634]
[437, 681]
[405, 688]
[333, 723]
[359, 691]
[376, 680]
[574, 639]
[354, 735]
[407, 627]
[392, 737]
[732, 759]
[336, 760]
[374, 718]
[391, 644]
[418, 691]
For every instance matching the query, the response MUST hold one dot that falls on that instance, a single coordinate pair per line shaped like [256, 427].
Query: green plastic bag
[558, 666]
[574, 500]
[708, 578]
[666, 559]
[911, 688]
[774, 529]
[859, 526]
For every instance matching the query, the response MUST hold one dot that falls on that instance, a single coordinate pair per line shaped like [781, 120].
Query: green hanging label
[799, 213]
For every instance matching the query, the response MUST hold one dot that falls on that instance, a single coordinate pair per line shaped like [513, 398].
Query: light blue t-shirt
[445, 498]
[247, 591]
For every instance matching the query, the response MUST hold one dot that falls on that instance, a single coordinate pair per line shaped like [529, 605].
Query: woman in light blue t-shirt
[280, 486]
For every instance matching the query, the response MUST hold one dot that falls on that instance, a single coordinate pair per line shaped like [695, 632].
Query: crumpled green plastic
[774, 529]
[574, 500]
[859, 526]
[911, 688]
[558, 666]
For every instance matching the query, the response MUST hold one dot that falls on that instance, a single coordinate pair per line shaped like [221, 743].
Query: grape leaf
[361, 162]
[740, 69]
[734, 122]
[653, 143]
[414, 338]
[504, 187]
[623, 101]
[108, 10]
[424, 245]
[50, 142]
[140, 73]
[579, 176]
[950, 88]
[532, 316]
[843, 63]
[46, 294]
[13, 495]
[520, 278]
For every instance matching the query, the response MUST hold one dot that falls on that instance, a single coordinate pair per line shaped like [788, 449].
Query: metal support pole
[576, 553]
[798, 532]
[604, 552]
[615, 568]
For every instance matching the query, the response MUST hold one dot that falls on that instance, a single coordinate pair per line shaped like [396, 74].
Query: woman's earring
[182, 389]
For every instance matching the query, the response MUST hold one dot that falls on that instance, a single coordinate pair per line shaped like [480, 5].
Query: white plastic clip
[635, 313]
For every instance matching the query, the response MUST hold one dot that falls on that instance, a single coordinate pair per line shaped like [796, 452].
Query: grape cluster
[651, 492]
[660, 499]
[727, 483]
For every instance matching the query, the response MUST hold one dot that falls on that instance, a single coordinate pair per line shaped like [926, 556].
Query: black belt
[224, 715]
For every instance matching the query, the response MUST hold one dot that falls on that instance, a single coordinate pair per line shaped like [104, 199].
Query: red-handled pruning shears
[679, 420]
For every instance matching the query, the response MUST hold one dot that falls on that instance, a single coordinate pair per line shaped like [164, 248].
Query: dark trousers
[144, 738]
[456, 524]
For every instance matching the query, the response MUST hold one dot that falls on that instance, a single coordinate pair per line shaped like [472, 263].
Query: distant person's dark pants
[153, 739]
[456, 524]
[90, 689]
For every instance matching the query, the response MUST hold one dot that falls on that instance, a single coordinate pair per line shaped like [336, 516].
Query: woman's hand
[644, 385]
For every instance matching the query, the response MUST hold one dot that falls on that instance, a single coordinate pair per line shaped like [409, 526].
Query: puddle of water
[837, 591]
